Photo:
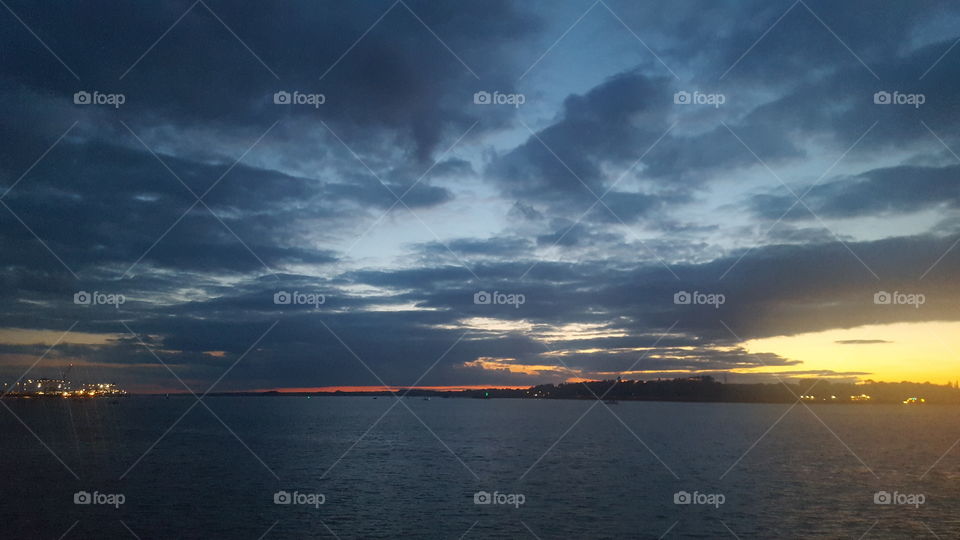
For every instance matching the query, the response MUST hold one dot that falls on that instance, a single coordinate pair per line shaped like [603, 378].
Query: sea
[362, 467]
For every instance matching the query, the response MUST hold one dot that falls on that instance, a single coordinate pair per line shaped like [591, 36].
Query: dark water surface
[416, 475]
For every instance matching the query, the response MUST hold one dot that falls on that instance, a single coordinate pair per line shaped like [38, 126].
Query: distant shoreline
[690, 390]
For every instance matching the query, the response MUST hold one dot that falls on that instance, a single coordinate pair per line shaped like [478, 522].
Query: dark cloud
[891, 190]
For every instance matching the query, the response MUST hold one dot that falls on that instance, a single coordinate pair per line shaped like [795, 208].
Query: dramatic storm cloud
[496, 193]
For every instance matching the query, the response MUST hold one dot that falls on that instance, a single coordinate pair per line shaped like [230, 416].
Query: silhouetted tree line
[708, 389]
[702, 388]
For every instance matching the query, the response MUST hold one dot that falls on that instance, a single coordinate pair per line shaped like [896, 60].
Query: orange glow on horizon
[393, 388]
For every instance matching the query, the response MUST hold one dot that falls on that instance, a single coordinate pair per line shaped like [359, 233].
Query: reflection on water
[494, 468]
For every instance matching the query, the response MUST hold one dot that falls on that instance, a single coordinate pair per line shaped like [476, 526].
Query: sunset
[410, 268]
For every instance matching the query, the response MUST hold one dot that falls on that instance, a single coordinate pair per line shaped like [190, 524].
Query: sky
[220, 197]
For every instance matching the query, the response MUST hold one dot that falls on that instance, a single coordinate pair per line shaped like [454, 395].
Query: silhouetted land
[695, 389]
